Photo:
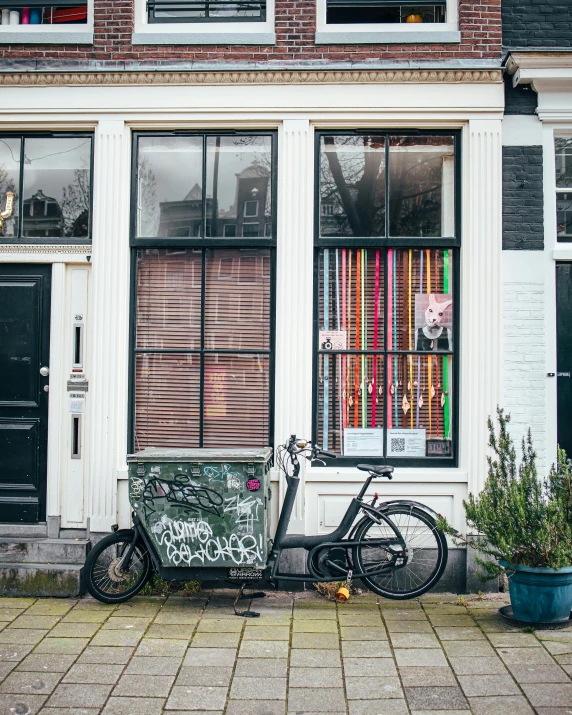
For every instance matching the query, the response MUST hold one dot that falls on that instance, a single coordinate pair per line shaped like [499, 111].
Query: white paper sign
[77, 405]
[363, 442]
[405, 442]
[333, 339]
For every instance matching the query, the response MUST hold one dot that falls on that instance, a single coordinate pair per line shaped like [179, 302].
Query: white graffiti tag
[190, 542]
[246, 510]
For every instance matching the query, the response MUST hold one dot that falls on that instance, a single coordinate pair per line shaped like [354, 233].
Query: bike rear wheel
[426, 552]
[104, 578]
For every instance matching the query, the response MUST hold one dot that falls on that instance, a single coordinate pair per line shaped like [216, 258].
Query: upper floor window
[39, 22]
[50, 178]
[563, 150]
[385, 11]
[167, 11]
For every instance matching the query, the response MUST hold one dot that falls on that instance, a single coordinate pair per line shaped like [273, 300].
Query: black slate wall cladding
[528, 23]
[522, 203]
[519, 100]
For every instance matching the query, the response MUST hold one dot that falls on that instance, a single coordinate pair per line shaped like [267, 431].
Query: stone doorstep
[59, 580]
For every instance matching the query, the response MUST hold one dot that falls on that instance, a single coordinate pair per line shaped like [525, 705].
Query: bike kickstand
[243, 614]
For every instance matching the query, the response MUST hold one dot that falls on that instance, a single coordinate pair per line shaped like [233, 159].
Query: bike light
[301, 443]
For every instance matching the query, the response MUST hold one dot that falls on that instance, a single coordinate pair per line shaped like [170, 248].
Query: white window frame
[388, 32]
[64, 34]
[202, 33]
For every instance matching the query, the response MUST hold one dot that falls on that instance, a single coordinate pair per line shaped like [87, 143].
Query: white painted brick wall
[524, 382]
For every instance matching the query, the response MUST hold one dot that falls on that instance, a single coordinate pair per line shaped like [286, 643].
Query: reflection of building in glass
[43, 216]
[248, 216]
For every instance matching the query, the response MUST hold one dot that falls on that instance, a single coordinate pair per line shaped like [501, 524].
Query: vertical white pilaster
[481, 294]
[109, 320]
[294, 299]
[57, 382]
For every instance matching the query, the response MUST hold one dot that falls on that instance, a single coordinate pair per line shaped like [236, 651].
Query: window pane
[341, 12]
[564, 216]
[419, 300]
[563, 151]
[350, 404]
[10, 181]
[237, 300]
[352, 186]
[421, 186]
[238, 173]
[167, 402]
[236, 394]
[419, 397]
[57, 187]
[169, 298]
[169, 186]
[351, 298]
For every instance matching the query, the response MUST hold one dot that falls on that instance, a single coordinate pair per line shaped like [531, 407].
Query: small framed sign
[363, 442]
[439, 448]
[405, 442]
[333, 340]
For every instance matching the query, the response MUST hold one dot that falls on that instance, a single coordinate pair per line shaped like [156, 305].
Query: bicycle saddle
[378, 470]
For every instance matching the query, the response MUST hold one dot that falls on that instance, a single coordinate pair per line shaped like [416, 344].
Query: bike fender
[401, 502]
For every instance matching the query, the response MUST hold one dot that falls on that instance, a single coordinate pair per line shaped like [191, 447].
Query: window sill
[248, 33]
[362, 35]
[46, 35]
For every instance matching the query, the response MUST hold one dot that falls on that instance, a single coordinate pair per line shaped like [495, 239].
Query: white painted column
[109, 319]
[294, 298]
[481, 294]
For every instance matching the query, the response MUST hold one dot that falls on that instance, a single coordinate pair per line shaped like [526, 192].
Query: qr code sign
[398, 444]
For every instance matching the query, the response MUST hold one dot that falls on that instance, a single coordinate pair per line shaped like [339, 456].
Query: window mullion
[202, 359]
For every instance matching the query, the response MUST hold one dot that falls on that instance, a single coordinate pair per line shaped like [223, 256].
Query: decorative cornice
[430, 76]
[43, 249]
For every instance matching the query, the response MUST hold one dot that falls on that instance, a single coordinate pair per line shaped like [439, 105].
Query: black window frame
[204, 243]
[42, 240]
[452, 243]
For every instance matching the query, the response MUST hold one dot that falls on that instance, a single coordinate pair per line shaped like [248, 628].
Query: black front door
[24, 351]
[564, 354]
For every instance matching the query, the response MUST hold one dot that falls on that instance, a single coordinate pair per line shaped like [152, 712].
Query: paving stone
[548, 694]
[151, 686]
[564, 635]
[427, 677]
[219, 625]
[531, 656]
[50, 607]
[514, 640]
[62, 646]
[509, 705]
[216, 640]
[496, 625]
[118, 638]
[14, 652]
[178, 632]
[199, 675]
[21, 636]
[258, 688]
[566, 668]
[553, 711]
[352, 619]
[309, 700]
[158, 665]
[316, 678]
[307, 626]
[35, 622]
[451, 621]
[374, 688]
[68, 695]
[456, 649]
[429, 657]
[378, 707]
[30, 683]
[140, 607]
[210, 657]
[21, 603]
[565, 659]
[358, 667]
[325, 641]
[485, 685]
[367, 649]
[196, 697]
[402, 615]
[88, 603]
[160, 646]
[436, 698]
[121, 623]
[74, 630]
[93, 673]
[448, 609]
[46, 663]
[85, 616]
[270, 633]
[439, 712]
[21, 704]
[354, 633]
[557, 648]
[108, 655]
[265, 667]
[255, 707]
[69, 711]
[409, 627]
[478, 666]
[263, 649]
[459, 634]
[10, 614]
[538, 673]
[309, 658]
[414, 640]
[176, 618]
[133, 706]
[318, 614]
[7, 667]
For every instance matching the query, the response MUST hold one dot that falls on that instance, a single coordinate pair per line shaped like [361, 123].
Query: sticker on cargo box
[253, 485]
[245, 574]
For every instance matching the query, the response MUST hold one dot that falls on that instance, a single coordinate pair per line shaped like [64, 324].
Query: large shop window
[563, 151]
[50, 179]
[386, 296]
[204, 238]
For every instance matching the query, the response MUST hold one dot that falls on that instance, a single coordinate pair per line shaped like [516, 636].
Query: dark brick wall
[479, 20]
[519, 100]
[522, 201]
[536, 23]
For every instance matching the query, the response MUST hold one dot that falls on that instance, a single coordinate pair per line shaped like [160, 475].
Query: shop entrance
[24, 370]
[564, 354]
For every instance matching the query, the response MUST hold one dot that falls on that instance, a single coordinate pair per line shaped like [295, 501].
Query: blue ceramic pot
[539, 595]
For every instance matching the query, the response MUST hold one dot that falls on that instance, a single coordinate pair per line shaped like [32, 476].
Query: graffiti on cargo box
[182, 492]
[245, 509]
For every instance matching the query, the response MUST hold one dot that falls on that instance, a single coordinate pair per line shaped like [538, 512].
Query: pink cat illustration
[434, 336]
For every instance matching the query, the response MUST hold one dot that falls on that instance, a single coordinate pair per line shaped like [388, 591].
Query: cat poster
[433, 322]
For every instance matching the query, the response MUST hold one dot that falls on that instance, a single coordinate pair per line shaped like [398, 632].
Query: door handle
[44, 371]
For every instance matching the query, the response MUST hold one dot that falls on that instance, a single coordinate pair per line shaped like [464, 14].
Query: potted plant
[524, 527]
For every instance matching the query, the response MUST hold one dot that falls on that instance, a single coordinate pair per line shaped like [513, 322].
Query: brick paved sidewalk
[303, 655]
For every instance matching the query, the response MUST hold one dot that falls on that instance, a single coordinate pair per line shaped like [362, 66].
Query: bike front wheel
[104, 577]
[426, 549]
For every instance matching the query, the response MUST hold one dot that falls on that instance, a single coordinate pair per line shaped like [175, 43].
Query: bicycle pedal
[247, 614]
